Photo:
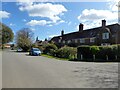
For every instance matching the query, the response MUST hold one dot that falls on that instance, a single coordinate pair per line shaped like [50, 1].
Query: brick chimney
[103, 23]
[62, 32]
[81, 27]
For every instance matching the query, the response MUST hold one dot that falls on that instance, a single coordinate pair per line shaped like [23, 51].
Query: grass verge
[52, 57]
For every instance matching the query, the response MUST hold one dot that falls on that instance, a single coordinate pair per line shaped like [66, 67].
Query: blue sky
[48, 19]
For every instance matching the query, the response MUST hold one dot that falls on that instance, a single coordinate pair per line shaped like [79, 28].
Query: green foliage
[85, 51]
[48, 48]
[63, 52]
[94, 49]
[106, 51]
[101, 52]
[24, 39]
[7, 34]
[66, 52]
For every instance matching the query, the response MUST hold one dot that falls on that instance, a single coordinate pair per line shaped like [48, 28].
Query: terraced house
[104, 35]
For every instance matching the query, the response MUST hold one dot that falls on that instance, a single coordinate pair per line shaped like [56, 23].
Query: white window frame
[76, 41]
[105, 35]
[59, 40]
[69, 41]
[64, 41]
[92, 40]
[82, 40]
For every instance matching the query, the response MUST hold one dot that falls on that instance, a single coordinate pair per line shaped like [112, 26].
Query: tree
[6, 34]
[24, 38]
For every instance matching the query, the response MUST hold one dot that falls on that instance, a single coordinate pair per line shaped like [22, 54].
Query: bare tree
[24, 38]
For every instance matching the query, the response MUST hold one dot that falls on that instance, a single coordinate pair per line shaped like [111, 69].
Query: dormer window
[105, 35]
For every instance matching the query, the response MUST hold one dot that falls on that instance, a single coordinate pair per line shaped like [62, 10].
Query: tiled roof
[88, 33]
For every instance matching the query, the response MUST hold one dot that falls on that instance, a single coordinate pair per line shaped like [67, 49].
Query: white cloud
[43, 23]
[92, 18]
[36, 22]
[4, 14]
[51, 36]
[113, 5]
[44, 10]
[92, 14]
[11, 24]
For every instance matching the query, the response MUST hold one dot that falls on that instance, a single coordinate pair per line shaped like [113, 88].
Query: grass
[52, 57]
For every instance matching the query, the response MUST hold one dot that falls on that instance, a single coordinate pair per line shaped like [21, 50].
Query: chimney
[62, 32]
[103, 23]
[81, 27]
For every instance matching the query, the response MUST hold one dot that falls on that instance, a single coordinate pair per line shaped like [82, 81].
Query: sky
[48, 19]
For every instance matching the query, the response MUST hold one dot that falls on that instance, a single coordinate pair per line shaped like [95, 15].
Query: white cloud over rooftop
[92, 17]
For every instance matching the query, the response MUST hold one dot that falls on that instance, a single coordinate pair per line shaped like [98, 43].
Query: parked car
[35, 52]
[19, 50]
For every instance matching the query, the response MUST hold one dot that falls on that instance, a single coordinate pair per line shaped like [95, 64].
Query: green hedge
[100, 52]
[66, 52]
[47, 49]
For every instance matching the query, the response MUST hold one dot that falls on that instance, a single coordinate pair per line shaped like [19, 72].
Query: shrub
[66, 52]
[94, 49]
[48, 48]
[101, 52]
[110, 51]
[118, 51]
[85, 51]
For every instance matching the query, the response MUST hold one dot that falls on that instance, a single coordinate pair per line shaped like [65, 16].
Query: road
[0, 68]
[22, 71]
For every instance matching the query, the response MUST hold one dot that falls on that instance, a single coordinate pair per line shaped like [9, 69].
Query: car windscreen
[35, 49]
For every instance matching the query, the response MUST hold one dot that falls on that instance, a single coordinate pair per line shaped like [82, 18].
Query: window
[105, 35]
[105, 44]
[82, 40]
[69, 41]
[64, 41]
[92, 40]
[59, 40]
[76, 40]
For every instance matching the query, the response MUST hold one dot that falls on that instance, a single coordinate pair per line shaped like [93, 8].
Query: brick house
[104, 35]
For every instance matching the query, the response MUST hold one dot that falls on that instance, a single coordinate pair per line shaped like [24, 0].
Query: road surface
[19, 70]
[0, 69]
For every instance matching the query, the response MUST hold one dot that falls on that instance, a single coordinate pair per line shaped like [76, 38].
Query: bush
[94, 49]
[106, 51]
[85, 51]
[48, 48]
[66, 52]
[118, 51]
[101, 52]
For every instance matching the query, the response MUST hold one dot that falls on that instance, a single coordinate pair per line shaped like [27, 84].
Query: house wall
[113, 30]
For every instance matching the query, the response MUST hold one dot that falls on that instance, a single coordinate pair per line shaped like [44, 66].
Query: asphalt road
[0, 69]
[22, 71]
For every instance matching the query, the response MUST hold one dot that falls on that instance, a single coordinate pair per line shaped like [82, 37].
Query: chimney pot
[81, 27]
[103, 23]
[62, 32]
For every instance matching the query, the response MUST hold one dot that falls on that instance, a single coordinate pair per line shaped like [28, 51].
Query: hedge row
[63, 52]
[99, 52]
